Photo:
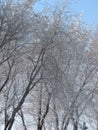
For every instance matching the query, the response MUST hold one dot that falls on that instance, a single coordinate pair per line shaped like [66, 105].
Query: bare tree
[49, 61]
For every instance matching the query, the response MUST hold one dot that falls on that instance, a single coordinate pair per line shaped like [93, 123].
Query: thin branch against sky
[88, 9]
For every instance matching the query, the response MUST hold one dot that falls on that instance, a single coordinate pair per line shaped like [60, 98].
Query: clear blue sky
[88, 8]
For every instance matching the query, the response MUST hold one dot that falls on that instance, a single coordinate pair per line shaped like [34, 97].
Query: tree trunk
[39, 127]
[75, 125]
[66, 124]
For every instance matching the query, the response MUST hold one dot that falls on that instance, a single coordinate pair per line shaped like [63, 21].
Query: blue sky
[88, 8]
